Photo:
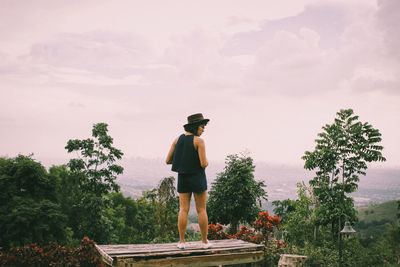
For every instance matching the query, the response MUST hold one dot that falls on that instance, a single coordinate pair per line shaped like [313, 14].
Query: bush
[53, 255]
[262, 234]
[216, 232]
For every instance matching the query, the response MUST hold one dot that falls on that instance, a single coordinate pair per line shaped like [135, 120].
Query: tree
[167, 209]
[283, 208]
[158, 212]
[96, 161]
[123, 213]
[69, 195]
[95, 172]
[299, 219]
[235, 197]
[341, 154]
[29, 211]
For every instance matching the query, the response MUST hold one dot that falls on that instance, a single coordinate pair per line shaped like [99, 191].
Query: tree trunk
[315, 232]
[333, 231]
[233, 229]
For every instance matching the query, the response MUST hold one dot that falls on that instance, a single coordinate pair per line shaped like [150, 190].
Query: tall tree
[29, 211]
[96, 171]
[123, 214]
[235, 196]
[341, 155]
[167, 209]
[283, 208]
[96, 160]
[69, 195]
[158, 212]
[298, 214]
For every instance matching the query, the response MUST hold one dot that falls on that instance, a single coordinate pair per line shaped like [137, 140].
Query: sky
[268, 74]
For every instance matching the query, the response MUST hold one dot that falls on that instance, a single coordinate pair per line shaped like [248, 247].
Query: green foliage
[317, 256]
[283, 208]
[380, 223]
[93, 176]
[301, 215]
[192, 235]
[378, 253]
[235, 197]
[383, 211]
[369, 231]
[163, 205]
[146, 220]
[193, 218]
[29, 211]
[96, 161]
[167, 209]
[380, 227]
[80, 199]
[122, 214]
[69, 195]
[340, 156]
[376, 243]
[326, 253]
[149, 219]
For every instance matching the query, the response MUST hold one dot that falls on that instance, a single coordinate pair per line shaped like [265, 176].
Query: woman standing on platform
[188, 158]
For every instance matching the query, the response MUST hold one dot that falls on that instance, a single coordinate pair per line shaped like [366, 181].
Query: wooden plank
[106, 258]
[216, 243]
[181, 253]
[223, 252]
[196, 261]
[232, 244]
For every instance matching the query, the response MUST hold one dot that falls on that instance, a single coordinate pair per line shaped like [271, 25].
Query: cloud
[292, 64]
[328, 20]
[298, 55]
[323, 48]
[200, 64]
[388, 17]
[328, 47]
[373, 38]
[99, 51]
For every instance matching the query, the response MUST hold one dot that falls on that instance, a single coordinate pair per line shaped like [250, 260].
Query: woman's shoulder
[198, 140]
[176, 139]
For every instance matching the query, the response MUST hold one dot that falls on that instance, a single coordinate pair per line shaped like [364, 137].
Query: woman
[188, 158]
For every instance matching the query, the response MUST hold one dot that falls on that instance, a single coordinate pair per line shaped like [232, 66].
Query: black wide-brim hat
[196, 119]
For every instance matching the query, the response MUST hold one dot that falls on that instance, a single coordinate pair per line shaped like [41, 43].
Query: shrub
[216, 232]
[262, 234]
[52, 255]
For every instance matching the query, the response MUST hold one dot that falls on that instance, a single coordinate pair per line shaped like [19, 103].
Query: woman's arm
[171, 152]
[201, 149]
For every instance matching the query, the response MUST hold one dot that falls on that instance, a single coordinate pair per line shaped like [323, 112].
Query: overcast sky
[268, 74]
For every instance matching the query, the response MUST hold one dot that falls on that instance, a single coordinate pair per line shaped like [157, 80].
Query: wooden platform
[223, 252]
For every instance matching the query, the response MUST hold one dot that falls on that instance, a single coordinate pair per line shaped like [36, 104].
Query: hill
[384, 211]
[377, 221]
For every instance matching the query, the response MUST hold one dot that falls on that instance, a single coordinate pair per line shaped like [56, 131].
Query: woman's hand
[170, 155]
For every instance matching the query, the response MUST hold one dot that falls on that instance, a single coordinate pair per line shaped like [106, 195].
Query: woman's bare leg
[184, 206]
[201, 201]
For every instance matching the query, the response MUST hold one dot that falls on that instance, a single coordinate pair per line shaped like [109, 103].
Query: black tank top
[186, 158]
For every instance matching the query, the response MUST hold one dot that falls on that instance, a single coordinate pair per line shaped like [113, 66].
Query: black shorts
[192, 182]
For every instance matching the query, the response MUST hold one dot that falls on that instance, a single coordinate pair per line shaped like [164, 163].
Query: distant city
[379, 185]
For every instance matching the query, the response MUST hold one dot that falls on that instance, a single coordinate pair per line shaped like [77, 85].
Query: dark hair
[193, 128]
